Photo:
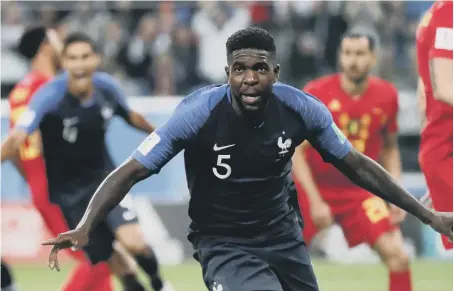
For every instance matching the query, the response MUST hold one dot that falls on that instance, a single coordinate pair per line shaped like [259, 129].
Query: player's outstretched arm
[108, 195]
[369, 175]
[111, 192]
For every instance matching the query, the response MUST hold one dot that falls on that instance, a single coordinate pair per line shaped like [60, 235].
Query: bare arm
[303, 174]
[441, 79]
[10, 146]
[111, 191]
[139, 122]
[369, 175]
[421, 96]
[390, 155]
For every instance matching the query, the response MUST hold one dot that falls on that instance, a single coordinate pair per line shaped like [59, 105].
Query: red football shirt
[362, 120]
[434, 40]
[32, 160]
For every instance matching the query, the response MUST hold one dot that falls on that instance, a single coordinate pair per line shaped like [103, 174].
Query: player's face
[251, 75]
[356, 58]
[80, 61]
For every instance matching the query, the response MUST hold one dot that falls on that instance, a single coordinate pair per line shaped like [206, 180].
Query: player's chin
[356, 77]
[82, 82]
[251, 103]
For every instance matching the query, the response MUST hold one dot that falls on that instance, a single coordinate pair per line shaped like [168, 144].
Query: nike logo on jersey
[216, 148]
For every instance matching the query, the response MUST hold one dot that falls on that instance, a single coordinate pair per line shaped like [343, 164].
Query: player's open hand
[442, 223]
[72, 239]
[321, 215]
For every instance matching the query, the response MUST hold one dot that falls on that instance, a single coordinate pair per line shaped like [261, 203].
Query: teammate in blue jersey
[72, 112]
[238, 140]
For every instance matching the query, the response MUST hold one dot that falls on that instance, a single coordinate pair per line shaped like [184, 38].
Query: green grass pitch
[427, 276]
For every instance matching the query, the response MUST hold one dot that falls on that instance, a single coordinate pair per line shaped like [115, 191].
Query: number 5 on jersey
[223, 167]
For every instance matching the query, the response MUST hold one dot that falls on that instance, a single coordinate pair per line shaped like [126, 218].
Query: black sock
[130, 283]
[149, 265]
[7, 278]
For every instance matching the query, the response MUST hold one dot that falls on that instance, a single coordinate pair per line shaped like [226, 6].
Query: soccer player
[72, 112]
[7, 280]
[434, 56]
[238, 140]
[365, 108]
[41, 47]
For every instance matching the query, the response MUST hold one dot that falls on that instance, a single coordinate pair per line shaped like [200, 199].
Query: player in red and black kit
[434, 56]
[365, 109]
[41, 46]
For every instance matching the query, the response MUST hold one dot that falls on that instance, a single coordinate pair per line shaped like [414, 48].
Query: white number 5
[222, 165]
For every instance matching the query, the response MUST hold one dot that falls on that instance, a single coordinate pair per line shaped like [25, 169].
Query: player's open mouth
[249, 99]
[80, 75]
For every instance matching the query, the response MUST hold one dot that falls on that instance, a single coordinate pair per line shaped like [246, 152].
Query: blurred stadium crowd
[166, 48]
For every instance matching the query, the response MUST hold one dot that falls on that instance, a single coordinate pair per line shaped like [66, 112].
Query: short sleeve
[186, 121]
[322, 132]
[443, 39]
[108, 83]
[44, 100]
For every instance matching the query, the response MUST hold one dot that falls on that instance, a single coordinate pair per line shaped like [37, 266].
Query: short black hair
[251, 38]
[78, 37]
[360, 34]
[31, 41]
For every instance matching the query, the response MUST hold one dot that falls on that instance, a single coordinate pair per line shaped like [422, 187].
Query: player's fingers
[61, 238]
[51, 242]
[53, 258]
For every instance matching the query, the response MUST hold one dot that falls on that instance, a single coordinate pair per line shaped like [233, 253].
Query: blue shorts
[279, 266]
[100, 245]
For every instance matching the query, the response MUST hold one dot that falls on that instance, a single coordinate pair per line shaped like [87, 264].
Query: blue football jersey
[73, 134]
[237, 173]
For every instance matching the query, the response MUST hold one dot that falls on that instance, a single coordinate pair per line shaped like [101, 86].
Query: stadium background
[161, 51]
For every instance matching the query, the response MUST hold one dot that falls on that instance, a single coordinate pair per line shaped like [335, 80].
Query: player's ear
[97, 61]
[276, 70]
[227, 72]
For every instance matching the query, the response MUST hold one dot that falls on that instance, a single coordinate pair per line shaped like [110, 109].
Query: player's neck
[254, 118]
[353, 89]
[43, 66]
[82, 96]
